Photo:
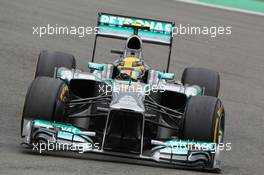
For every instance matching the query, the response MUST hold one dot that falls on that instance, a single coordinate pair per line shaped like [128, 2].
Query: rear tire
[44, 100]
[205, 78]
[48, 60]
[204, 120]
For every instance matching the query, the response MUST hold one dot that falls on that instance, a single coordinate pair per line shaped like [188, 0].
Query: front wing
[50, 136]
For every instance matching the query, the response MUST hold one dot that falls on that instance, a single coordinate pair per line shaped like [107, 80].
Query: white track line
[221, 7]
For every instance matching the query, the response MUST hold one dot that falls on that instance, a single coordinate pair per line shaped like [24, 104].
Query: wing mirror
[96, 66]
[166, 76]
[120, 52]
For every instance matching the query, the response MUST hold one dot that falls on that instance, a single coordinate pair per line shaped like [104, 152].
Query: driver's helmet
[131, 68]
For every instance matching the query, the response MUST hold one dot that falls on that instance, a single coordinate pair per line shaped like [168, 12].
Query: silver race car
[126, 108]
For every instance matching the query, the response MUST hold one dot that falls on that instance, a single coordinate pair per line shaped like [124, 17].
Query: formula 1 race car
[126, 108]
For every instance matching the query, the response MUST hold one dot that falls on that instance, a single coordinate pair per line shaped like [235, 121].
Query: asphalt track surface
[239, 58]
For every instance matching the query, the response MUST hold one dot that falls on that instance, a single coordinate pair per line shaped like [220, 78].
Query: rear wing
[120, 27]
[159, 32]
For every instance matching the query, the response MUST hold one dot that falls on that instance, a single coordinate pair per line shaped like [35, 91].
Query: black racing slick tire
[205, 78]
[45, 99]
[49, 60]
[204, 120]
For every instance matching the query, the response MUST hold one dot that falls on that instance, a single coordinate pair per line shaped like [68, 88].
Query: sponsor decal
[65, 89]
[154, 25]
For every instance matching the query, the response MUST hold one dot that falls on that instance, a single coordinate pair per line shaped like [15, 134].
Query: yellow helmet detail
[132, 67]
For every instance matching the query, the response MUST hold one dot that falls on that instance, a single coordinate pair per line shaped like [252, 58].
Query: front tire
[44, 100]
[204, 120]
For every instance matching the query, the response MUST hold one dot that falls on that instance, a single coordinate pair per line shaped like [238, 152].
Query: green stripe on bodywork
[126, 32]
[64, 133]
[47, 124]
[251, 5]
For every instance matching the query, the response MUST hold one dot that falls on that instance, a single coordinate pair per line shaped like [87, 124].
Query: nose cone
[130, 99]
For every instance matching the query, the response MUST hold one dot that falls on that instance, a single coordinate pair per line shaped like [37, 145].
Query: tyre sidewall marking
[218, 118]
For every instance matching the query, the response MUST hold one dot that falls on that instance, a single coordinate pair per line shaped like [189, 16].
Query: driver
[131, 68]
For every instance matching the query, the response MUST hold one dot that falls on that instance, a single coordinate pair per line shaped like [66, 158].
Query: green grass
[251, 5]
